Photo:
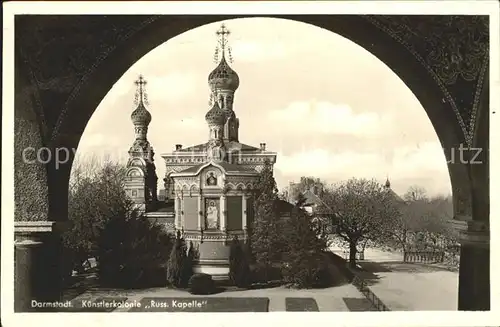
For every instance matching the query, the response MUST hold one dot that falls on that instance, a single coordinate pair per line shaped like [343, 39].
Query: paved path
[407, 286]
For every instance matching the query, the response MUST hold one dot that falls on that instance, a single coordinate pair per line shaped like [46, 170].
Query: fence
[424, 256]
[359, 283]
[360, 255]
[370, 296]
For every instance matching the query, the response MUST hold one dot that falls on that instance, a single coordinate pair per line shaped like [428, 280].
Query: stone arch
[135, 172]
[68, 116]
[230, 186]
[193, 189]
[240, 187]
[358, 29]
[137, 162]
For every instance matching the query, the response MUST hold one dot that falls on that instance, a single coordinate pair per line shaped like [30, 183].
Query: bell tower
[224, 82]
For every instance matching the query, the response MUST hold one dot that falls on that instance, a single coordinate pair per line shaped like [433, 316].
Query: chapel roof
[223, 77]
[230, 168]
[215, 116]
[311, 198]
[230, 146]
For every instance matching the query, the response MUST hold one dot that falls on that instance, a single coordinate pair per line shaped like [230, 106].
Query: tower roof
[223, 77]
[215, 116]
[141, 116]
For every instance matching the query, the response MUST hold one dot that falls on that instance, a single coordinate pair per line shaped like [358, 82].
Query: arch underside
[82, 85]
[53, 103]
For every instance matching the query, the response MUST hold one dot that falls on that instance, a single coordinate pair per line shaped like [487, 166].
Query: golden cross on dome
[141, 83]
[223, 33]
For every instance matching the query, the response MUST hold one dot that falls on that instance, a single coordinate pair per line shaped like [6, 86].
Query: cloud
[416, 160]
[325, 164]
[257, 51]
[424, 160]
[328, 118]
[171, 87]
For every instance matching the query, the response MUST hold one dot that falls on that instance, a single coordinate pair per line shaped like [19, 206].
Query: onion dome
[223, 77]
[215, 116]
[387, 183]
[141, 115]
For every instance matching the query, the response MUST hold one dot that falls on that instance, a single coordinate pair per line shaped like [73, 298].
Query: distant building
[208, 188]
[322, 214]
[313, 204]
[397, 198]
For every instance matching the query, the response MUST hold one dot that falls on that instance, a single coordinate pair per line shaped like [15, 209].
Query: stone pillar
[223, 209]
[244, 212]
[474, 272]
[38, 265]
[182, 211]
[201, 211]
[177, 210]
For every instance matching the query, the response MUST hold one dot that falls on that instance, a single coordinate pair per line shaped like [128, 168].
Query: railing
[423, 256]
[370, 296]
[360, 255]
[359, 283]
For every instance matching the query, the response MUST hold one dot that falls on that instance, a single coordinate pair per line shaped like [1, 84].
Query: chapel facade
[209, 186]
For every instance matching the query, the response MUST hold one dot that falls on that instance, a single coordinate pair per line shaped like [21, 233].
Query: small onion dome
[215, 116]
[141, 115]
[223, 77]
[387, 183]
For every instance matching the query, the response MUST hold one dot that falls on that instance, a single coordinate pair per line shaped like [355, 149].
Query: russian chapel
[209, 186]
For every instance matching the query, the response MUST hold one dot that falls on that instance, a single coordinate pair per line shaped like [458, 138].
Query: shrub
[176, 261]
[239, 266]
[261, 273]
[318, 271]
[131, 251]
[339, 268]
[187, 266]
[300, 273]
[201, 284]
[303, 258]
[321, 275]
[265, 229]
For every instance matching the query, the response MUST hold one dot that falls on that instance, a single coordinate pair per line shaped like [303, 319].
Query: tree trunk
[364, 246]
[405, 237]
[352, 254]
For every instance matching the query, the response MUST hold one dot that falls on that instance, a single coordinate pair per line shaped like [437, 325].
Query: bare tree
[362, 210]
[424, 216]
[415, 193]
[95, 194]
[410, 219]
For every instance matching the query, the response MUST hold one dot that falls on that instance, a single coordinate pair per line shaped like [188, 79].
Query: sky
[328, 107]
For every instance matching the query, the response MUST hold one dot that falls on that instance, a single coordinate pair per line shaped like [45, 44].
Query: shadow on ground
[398, 266]
[368, 270]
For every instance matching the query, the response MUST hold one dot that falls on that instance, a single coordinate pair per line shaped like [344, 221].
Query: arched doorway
[60, 124]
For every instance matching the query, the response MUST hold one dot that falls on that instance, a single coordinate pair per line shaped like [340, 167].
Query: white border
[408, 318]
